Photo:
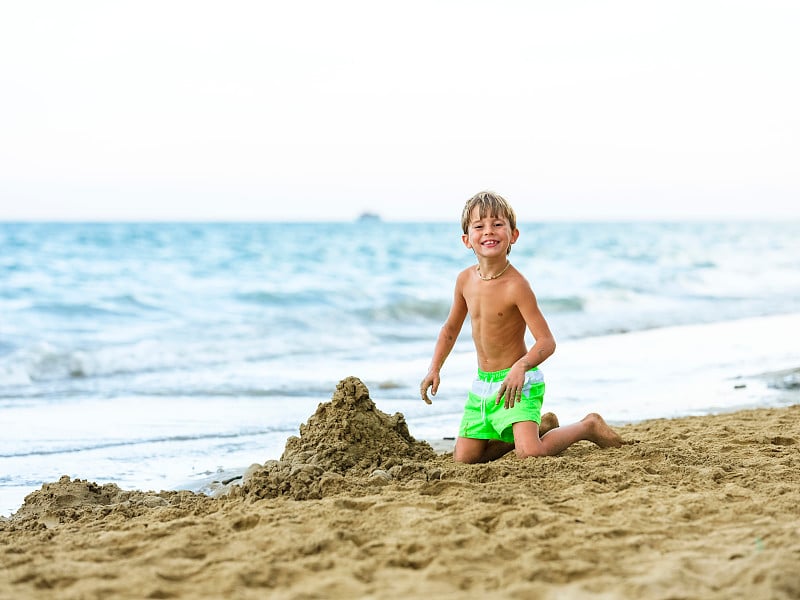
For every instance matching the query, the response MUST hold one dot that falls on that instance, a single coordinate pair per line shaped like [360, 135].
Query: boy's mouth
[490, 243]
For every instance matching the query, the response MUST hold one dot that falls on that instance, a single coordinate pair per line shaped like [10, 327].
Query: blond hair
[489, 205]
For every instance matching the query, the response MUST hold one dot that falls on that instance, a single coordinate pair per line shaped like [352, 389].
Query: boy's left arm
[544, 346]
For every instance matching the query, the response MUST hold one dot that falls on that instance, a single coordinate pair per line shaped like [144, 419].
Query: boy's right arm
[444, 343]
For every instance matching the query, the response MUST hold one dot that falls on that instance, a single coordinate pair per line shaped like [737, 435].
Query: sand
[699, 507]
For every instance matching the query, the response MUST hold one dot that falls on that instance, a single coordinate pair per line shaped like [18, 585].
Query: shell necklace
[478, 269]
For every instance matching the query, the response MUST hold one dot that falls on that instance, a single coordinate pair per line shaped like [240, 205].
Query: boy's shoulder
[519, 279]
[464, 274]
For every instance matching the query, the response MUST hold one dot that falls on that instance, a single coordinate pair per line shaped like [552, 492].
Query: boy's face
[490, 236]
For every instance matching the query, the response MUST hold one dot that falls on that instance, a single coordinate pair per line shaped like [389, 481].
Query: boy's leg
[471, 450]
[592, 428]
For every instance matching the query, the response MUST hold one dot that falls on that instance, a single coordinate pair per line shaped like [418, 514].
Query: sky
[320, 110]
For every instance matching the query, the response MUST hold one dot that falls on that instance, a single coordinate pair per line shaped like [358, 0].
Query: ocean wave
[566, 304]
[45, 361]
[40, 362]
[45, 371]
[13, 374]
[72, 309]
[135, 302]
[104, 445]
[281, 298]
[406, 308]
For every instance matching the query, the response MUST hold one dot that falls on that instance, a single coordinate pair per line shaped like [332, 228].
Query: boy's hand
[431, 381]
[511, 388]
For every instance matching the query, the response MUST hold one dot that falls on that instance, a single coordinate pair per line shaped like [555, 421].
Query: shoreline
[626, 378]
[784, 384]
[785, 381]
[698, 506]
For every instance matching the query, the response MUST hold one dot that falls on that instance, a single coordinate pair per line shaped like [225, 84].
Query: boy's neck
[491, 269]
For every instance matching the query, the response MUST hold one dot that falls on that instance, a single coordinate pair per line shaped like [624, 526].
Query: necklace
[478, 269]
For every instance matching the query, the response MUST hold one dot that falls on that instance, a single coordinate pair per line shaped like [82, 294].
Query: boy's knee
[592, 419]
[465, 458]
[529, 452]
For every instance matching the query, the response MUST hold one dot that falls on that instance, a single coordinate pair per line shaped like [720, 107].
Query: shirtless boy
[503, 410]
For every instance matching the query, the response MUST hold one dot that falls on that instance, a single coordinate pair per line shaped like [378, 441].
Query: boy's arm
[544, 346]
[445, 342]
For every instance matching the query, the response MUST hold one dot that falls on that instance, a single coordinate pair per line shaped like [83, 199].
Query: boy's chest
[490, 305]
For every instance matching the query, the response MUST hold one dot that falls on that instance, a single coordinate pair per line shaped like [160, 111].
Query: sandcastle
[347, 437]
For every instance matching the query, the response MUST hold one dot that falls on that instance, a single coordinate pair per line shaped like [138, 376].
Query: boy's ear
[465, 239]
[514, 236]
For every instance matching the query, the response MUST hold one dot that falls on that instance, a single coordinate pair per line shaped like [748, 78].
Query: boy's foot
[549, 421]
[602, 434]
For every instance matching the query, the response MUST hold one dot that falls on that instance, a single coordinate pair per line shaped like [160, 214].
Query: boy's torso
[498, 329]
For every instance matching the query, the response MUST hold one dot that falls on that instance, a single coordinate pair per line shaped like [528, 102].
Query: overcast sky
[323, 109]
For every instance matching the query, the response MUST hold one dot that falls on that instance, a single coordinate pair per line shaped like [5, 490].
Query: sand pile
[75, 499]
[66, 497]
[346, 438]
[348, 444]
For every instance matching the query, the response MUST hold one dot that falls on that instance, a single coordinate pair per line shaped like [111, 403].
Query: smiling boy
[503, 409]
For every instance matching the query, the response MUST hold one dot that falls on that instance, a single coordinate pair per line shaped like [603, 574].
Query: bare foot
[602, 434]
[549, 421]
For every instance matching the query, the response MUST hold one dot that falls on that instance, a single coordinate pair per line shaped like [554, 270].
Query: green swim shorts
[485, 420]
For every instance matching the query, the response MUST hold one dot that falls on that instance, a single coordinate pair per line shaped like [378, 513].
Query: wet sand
[698, 507]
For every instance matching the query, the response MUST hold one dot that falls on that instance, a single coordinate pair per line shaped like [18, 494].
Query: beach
[198, 440]
[108, 374]
[702, 506]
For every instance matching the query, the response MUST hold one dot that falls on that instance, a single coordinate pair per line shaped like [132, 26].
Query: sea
[162, 355]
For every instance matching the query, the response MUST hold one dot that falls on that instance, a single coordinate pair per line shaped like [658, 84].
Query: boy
[501, 304]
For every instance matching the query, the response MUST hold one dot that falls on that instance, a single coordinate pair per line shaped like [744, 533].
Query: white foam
[673, 371]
